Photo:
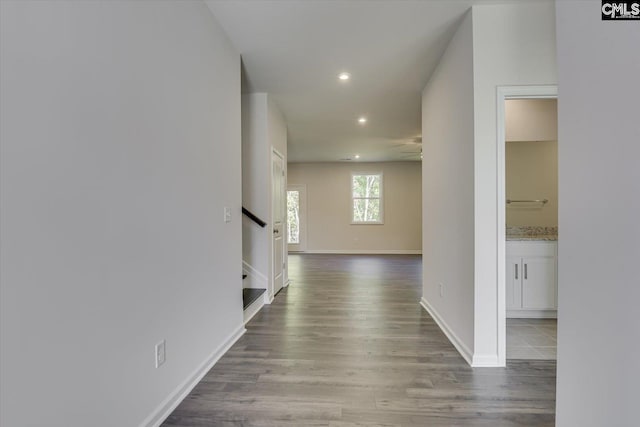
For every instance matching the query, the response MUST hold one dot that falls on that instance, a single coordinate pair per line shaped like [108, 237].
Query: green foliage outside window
[366, 195]
[293, 217]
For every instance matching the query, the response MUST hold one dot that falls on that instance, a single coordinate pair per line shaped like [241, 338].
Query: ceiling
[294, 50]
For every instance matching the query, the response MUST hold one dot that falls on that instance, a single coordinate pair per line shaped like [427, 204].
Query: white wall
[512, 45]
[329, 227]
[255, 195]
[277, 127]
[447, 190]
[263, 129]
[598, 335]
[120, 147]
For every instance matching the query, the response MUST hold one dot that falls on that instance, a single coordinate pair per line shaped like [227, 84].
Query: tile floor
[531, 339]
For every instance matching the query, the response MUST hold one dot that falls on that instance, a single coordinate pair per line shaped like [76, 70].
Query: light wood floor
[347, 344]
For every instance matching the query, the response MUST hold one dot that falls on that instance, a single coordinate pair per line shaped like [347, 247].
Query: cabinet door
[513, 283]
[539, 283]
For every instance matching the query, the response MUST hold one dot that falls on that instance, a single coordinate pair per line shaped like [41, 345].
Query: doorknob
[275, 231]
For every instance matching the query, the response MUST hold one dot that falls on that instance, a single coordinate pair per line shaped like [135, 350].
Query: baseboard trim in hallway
[256, 305]
[178, 395]
[474, 360]
[457, 342]
[364, 251]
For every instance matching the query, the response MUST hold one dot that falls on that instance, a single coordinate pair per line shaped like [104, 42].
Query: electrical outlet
[441, 290]
[161, 353]
[227, 214]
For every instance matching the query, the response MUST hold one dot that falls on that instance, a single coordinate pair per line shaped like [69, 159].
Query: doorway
[278, 226]
[526, 226]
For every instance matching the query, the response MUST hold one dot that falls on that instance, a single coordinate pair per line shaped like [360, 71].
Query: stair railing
[253, 217]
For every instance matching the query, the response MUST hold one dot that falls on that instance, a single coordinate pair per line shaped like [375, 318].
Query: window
[293, 217]
[366, 195]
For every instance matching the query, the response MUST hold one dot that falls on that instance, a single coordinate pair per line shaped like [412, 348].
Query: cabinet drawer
[531, 248]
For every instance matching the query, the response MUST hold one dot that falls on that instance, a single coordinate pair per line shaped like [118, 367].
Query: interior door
[296, 218]
[278, 206]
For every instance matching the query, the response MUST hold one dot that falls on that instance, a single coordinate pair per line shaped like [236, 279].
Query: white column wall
[497, 45]
[512, 45]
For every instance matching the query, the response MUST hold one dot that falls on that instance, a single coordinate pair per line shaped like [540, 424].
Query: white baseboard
[365, 251]
[254, 308]
[254, 279]
[474, 360]
[457, 342]
[486, 361]
[532, 314]
[161, 413]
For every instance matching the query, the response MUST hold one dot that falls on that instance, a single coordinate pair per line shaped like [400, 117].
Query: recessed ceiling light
[357, 156]
[362, 120]
[344, 76]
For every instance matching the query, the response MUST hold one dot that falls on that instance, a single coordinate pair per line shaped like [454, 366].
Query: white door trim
[503, 93]
[272, 291]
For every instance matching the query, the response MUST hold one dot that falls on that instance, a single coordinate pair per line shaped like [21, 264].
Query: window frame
[302, 246]
[380, 198]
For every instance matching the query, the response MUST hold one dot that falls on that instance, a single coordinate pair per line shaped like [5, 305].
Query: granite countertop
[545, 237]
[528, 233]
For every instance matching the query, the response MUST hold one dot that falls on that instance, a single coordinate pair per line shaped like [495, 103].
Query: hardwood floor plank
[347, 345]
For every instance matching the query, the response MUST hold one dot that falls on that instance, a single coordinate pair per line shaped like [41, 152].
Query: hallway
[347, 344]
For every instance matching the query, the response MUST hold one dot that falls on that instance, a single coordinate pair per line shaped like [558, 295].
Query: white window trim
[351, 198]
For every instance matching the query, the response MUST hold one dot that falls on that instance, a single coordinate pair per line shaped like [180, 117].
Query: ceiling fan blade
[411, 141]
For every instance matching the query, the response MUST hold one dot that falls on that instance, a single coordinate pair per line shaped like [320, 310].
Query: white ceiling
[294, 50]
